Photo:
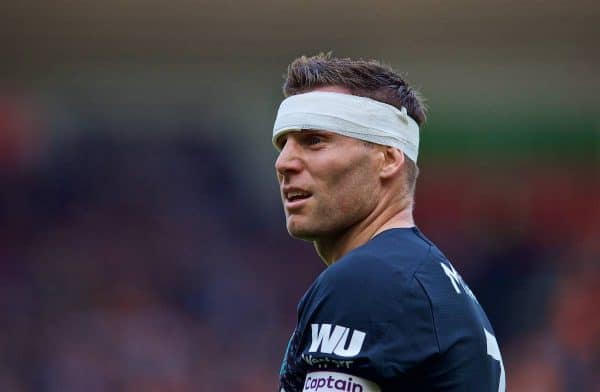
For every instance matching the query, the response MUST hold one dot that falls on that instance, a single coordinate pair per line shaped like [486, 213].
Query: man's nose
[289, 159]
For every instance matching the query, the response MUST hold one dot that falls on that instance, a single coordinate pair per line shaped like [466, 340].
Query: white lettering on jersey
[453, 275]
[457, 281]
[334, 382]
[326, 341]
[494, 351]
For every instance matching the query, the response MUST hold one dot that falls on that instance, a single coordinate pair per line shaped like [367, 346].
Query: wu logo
[328, 341]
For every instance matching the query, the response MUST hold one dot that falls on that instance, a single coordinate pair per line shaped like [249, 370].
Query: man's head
[343, 176]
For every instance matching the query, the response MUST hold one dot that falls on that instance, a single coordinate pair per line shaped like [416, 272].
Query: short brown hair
[365, 78]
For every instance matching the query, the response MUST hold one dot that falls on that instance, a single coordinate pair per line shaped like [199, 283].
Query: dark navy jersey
[392, 315]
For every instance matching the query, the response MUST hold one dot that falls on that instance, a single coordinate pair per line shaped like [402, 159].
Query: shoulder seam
[435, 329]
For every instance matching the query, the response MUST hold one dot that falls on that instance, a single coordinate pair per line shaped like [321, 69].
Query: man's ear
[393, 160]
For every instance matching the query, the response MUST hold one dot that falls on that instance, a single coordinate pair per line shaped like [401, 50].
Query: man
[389, 313]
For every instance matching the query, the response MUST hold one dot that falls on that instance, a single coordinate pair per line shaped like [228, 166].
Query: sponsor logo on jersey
[335, 382]
[336, 339]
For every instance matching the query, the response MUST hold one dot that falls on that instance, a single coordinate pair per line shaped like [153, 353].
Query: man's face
[328, 182]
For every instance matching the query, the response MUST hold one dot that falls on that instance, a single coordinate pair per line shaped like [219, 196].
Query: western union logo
[333, 339]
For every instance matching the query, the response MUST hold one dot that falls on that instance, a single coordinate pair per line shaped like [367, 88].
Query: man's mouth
[296, 195]
[294, 198]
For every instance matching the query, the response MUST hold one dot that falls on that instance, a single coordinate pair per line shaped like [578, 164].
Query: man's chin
[303, 236]
[302, 233]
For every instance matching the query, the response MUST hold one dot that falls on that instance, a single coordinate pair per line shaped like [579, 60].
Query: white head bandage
[357, 117]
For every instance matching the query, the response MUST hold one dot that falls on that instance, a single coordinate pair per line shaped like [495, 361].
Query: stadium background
[142, 242]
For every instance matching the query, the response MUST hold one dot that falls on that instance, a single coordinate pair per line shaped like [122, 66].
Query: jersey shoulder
[372, 301]
[393, 311]
[401, 277]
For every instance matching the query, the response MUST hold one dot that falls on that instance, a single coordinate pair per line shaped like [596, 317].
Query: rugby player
[390, 312]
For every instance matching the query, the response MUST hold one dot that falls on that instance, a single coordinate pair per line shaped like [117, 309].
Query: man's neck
[334, 248]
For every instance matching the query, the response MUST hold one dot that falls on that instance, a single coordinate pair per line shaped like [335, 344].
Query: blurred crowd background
[142, 240]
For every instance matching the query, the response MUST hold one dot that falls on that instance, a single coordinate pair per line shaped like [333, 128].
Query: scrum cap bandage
[349, 115]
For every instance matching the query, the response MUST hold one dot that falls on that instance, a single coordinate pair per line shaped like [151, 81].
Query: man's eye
[314, 140]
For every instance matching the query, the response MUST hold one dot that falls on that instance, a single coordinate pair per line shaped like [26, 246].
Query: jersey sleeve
[362, 319]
